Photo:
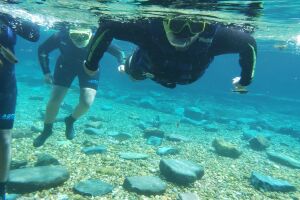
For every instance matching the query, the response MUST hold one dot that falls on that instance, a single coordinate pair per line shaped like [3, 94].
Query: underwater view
[149, 99]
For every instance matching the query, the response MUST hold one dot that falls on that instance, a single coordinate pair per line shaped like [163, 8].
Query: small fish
[280, 46]
[8, 55]
[177, 124]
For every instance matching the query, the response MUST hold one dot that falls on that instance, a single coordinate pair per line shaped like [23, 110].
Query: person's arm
[233, 41]
[129, 31]
[44, 49]
[115, 51]
[25, 29]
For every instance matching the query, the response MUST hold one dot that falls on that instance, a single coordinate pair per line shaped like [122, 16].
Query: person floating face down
[10, 27]
[73, 46]
[174, 50]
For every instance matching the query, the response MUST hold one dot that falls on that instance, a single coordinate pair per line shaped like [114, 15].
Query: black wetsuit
[69, 63]
[169, 66]
[9, 29]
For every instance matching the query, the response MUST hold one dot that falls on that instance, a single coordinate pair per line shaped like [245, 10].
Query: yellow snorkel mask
[80, 36]
[181, 32]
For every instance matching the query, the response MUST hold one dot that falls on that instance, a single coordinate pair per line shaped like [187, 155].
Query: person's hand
[148, 75]
[237, 87]
[121, 68]
[48, 78]
[88, 71]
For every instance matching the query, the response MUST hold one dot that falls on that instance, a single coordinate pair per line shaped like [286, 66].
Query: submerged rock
[36, 129]
[225, 148]
[259, 143]
[17, 164]
[284, 160]
[248, 134]
[44, 159]
[270, 184]
[93, 131]
[153, 132]
[17, 134]
[120, 136]
[146, 185]
[28, 180]
[93, 187]
[95, 125]
[210, 128]
[167, 151]
[36, 98]
[155, 141]
[186, 120]
[188, 196]
[289, 131]
[106, 107]
[181, 172]
[94, 150]
[177, 138]
[194, 113]
[12, 196]
[147, 102]
[132, 155]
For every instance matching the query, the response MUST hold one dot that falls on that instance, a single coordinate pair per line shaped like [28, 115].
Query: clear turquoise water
[272, 103]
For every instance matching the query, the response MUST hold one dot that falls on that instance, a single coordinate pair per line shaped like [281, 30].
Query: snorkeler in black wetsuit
[72, 45]
[9, 29]
[174, 50]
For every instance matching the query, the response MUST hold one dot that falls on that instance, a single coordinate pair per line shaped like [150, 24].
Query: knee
[86, 102]
[5, 139]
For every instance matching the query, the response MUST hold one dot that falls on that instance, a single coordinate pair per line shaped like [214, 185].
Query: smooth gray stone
[12, 196]
[36, 129]
[284, 160]
[155, 141]
[179, 111]
[153, 132]
[192, 122]
[167, 151]
[93, 187]
[259, 143]
[249, 134]
[188, 196]
[194, 113]
[181, 172]
[177, 138]
[210, 128]
[120, 136]
[17, 164]
[132, 155]
[106, 107]
[67, 107]
[46, 159]
[17, 134]
[28, 180]
[268, 183]
[225, 148]
[147, 102]
[146, 185]
[94, 150]
[93, 131]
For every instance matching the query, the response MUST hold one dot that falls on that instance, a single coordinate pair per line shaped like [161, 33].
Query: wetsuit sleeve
[118, 53]
[233, 41]
[108, 30]
[45, 48]
[23, 28]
